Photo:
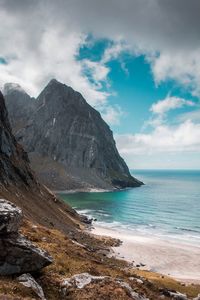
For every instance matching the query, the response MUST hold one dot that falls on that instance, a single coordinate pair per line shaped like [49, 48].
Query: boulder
[17, 254]
[10, 217]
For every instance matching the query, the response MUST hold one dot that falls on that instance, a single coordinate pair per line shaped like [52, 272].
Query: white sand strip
[179, 260]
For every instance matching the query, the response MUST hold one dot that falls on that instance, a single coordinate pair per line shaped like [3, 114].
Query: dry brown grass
[70, 258]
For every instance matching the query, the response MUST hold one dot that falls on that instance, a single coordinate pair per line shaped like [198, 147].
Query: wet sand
[168, 257]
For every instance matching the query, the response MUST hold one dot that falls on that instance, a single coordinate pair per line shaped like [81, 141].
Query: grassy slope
[70, 258]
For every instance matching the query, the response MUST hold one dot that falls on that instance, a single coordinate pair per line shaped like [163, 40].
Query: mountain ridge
[19, 184]
[72, 143]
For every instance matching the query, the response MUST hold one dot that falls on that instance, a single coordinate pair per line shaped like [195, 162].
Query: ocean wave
[187, 229]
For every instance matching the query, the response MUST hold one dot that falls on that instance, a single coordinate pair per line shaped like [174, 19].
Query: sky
[136, 61]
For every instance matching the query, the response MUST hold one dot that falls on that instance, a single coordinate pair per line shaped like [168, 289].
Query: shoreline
[89, 190]
[180, 261]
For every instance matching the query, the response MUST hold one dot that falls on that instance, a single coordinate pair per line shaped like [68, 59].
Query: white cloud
[163, 139]
[192, 115]
[181, 66]
[40, 40]
[163, 106]
[112, 114]
[41, 50]
[97, 69]
[115, 50]
[164, 145]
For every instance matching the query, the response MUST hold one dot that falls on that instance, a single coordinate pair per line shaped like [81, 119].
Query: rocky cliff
[69, 144]
[20, 105]
[19, 184]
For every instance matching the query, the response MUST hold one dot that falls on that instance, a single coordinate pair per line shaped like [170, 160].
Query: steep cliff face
[14, 167]
[69, 144]
[20, 105]
[19, 185]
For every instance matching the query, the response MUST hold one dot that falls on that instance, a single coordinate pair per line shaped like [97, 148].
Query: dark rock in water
[17, 254]
[69, 144]
[85, 219]
[10, 217]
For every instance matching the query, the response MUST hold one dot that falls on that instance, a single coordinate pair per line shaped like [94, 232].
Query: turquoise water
[167, 206]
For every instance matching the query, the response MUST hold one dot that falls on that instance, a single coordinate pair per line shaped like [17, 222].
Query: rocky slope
[19, 185]
[83, 272]
[69, 144]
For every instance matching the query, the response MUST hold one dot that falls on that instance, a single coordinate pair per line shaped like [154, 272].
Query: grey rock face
[19, 184]
[17, 254]
[75, 143]
[20, 105]
[13, 160]
[10, 217]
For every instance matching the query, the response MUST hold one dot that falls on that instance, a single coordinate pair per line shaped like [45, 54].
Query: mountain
[19, 185]
[20, 105]
[69, 144]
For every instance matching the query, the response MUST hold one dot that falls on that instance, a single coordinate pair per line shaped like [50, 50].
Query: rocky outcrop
[80, 281]
[19, 184]
[69, 144]
[17, 254]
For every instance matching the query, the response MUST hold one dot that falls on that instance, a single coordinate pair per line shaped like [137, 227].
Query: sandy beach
[179, 260]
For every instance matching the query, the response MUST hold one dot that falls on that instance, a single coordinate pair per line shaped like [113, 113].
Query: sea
[167, 206]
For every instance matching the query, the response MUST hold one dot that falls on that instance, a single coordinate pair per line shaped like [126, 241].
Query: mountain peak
[12, 86]
[54, 81]
[56, 92]
[77, 144]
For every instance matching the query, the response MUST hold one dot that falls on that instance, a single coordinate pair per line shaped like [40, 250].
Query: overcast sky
[137, 61]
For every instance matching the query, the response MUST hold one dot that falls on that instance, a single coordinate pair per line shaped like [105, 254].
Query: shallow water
[167, 206]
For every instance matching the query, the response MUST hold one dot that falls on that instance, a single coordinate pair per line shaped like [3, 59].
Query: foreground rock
[17, 254]
[28, 281]
[80, 281]
[10, 217]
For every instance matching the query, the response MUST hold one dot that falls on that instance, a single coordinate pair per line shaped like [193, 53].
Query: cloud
[193, 116]
[46, 47]
[163, 139]
[163, 106]
[98, 70]
[41, 38]
[181, 66]
[112, 114]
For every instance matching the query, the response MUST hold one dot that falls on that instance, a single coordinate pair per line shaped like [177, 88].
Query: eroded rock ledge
[17, 254]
